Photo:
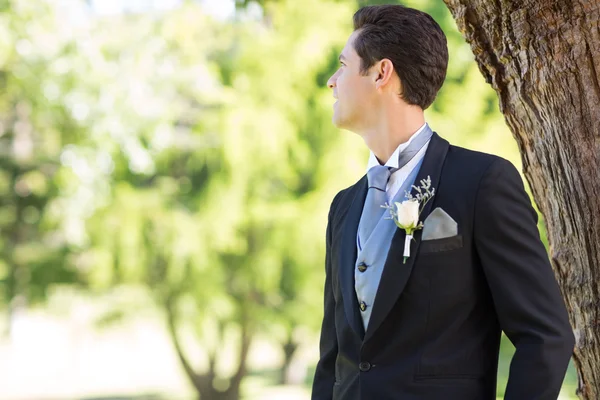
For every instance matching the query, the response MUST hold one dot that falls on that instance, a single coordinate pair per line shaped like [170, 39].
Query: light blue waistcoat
[374, 252]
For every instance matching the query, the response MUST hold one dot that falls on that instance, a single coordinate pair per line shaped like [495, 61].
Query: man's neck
[391, 133]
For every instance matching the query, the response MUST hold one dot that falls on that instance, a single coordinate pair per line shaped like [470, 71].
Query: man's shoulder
[344, 197]
[468, 171]
[475, 163]
[346, 193]
[472, 157]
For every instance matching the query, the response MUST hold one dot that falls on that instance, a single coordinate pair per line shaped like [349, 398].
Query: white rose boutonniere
[406, 214]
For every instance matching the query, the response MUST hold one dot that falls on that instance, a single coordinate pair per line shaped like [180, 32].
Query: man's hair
[412, 41]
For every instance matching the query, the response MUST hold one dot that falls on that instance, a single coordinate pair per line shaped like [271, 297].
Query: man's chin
[337, 121]
[340, 122]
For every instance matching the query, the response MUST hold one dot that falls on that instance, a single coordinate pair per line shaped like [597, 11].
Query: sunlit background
[166, 169]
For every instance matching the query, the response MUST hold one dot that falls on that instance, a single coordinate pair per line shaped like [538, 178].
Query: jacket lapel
[395, 273]
[348, 257]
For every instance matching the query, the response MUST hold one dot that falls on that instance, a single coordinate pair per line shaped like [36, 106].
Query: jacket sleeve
[324, 379]
[526, 296]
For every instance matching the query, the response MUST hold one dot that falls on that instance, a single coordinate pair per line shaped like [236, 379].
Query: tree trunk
[19, 275]
[245, 341]
[204, 383]
[289, 349]
[543, 60]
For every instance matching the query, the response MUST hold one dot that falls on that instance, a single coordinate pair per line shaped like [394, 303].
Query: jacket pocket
[444, 379]
[441, 245]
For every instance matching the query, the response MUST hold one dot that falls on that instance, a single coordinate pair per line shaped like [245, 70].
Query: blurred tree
[34, 127]
[542, 60]
[220, 221]
[175, 207]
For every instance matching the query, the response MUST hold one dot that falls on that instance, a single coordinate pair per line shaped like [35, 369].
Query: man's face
[354, 92]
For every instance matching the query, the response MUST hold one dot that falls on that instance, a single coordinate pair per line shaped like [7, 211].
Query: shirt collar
[393, 161]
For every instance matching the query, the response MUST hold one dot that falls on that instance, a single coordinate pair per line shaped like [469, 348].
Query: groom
[429, 329]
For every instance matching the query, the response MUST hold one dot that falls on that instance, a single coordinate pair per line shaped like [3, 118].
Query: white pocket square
[439, 225]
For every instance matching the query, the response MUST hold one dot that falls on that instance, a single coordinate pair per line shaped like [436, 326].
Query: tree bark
[543, 60]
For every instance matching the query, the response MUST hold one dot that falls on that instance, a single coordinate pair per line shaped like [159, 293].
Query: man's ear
[384, 72]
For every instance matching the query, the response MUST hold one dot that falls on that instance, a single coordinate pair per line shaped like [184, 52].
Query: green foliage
[34, 128]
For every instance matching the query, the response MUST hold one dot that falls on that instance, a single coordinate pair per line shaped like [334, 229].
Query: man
[425, 322]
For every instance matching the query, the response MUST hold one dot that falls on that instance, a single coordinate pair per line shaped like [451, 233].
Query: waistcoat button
[364, 366]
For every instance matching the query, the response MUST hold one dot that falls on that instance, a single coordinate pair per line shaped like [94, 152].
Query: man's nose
[331, 82]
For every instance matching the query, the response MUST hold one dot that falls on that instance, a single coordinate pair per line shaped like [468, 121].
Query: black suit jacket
[435, 327]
